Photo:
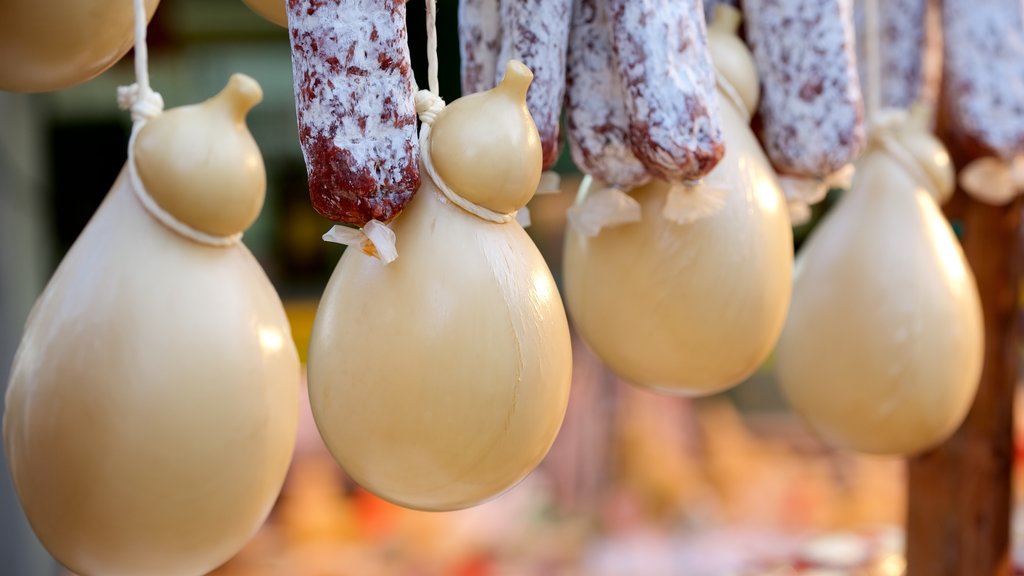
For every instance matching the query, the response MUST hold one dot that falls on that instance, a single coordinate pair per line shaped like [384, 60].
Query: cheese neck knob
[201, 164]
[485, 146]
[731, 56]
[929, 153]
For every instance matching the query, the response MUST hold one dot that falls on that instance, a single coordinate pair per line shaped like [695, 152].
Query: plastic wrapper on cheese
[152, 405]
[440, 380]
[882, 350]
[56, 44]
[355, 106]
[690, 308]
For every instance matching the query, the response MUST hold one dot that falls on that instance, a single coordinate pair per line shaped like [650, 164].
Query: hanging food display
[883, 346]
[685, 308]
[811, 114]
[152, 405]
[55, 44]
[438, 379]
[984, 91]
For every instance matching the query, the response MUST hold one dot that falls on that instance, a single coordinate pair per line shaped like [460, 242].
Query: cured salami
[355, 106]
[479, 43]
[984, 68]
[901, 50]
[596, 120]
[536, 32]
[811, 111]
[670, 95]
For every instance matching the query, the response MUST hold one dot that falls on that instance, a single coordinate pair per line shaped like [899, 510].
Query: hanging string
[873, 59]
[146, 104]
[432, 46]
[140, 98]
[428, 105]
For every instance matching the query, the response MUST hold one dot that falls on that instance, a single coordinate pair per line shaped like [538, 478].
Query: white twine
[732, 95]
[164, 217]
[880, 133]
[146, 104]
[428, 105]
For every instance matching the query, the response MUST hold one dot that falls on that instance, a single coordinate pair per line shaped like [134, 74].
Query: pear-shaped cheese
[201, 164]
[55, 44]
[883, 346]
[691, 308]
[440, 380]
[152, 405]
[485, 146]
[688, 308]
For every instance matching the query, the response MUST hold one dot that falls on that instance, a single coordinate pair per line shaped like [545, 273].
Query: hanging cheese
[271, 10]
[440, 380]
[882, 349]
[691, 308]
[56, 44]
[152, 406]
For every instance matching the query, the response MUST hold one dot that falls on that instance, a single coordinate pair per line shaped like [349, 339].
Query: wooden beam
[959, 494]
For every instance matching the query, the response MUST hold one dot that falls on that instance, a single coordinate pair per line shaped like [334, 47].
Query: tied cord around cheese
[880, 135]
[146, 104]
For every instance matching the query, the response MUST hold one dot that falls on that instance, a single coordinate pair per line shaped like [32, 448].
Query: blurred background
[635, 484]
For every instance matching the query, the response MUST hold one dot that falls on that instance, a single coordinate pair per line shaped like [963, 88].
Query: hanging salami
[901, 50]
[355, 106]
[984, 68]
[811, 112]
[670, 97]
[596, 121]
[479, 43]
[536, 32]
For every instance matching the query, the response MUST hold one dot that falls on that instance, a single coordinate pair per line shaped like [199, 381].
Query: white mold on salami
[536, 32]
[984, 68]
[662, 55]
[811, 110]
[901, 48]
[479, 43]
[355, 107]
[596, 122]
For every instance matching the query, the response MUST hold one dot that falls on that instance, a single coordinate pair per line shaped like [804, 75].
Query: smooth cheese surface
[689, 308]
[882, 350]
[152, 407]
[440, 380]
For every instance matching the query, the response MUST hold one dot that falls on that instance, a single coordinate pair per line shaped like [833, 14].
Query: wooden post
[959, 494]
